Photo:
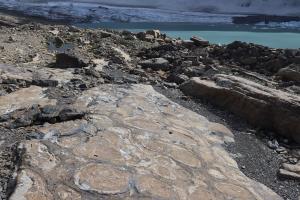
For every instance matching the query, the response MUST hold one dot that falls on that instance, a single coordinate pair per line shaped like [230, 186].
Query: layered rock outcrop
[260, 105]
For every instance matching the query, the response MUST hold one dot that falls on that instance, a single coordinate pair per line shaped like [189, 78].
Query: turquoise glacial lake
[271, 36]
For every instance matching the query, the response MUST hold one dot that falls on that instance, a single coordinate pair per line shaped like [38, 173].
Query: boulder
[156, 64]
[155, 33]
[178, 78]
[149, 36]
[200, 41]
[70, 60]
[105, 34]
[187, 43]
[290, 73]
[259, 105]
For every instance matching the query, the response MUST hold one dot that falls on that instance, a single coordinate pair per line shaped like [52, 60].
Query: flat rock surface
[23, 98]
[133, 143]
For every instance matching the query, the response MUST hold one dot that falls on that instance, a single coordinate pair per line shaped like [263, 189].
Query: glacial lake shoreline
[274, 37]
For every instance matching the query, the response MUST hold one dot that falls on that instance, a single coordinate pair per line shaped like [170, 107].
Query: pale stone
[38, 156]
[125, 55]
[31, 187]
[202, 193]
[103, 179]
[216, 174]
[24, 98]
[233, 191]
[292, 168]
[154, 187]
[184, 156]
[66, 193]
[99, 149]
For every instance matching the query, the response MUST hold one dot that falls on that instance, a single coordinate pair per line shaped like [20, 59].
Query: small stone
[281, 150]
[178, 78]
[292, 168]
[187, 43]
[187, 63]
[170, 85]
[11, 39]
[74, 29]
[54, 32]
[105, 34]
[287, 174]
[156, 64]
[141, 35]
[58, 42]
[273, 144]
[293, 160]
[149, 38]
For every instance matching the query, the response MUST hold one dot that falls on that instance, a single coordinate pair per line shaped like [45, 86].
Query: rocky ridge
[85, 122]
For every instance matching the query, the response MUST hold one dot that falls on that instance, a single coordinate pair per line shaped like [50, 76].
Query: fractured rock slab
[134, 143]
[48, 77]
[259, 105]
[24, 98]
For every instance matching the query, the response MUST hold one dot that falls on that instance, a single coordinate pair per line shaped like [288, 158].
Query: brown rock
[290, 73]
[258, 104]
[103, 179]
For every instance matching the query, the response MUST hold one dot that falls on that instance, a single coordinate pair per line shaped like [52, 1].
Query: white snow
[220, 11]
